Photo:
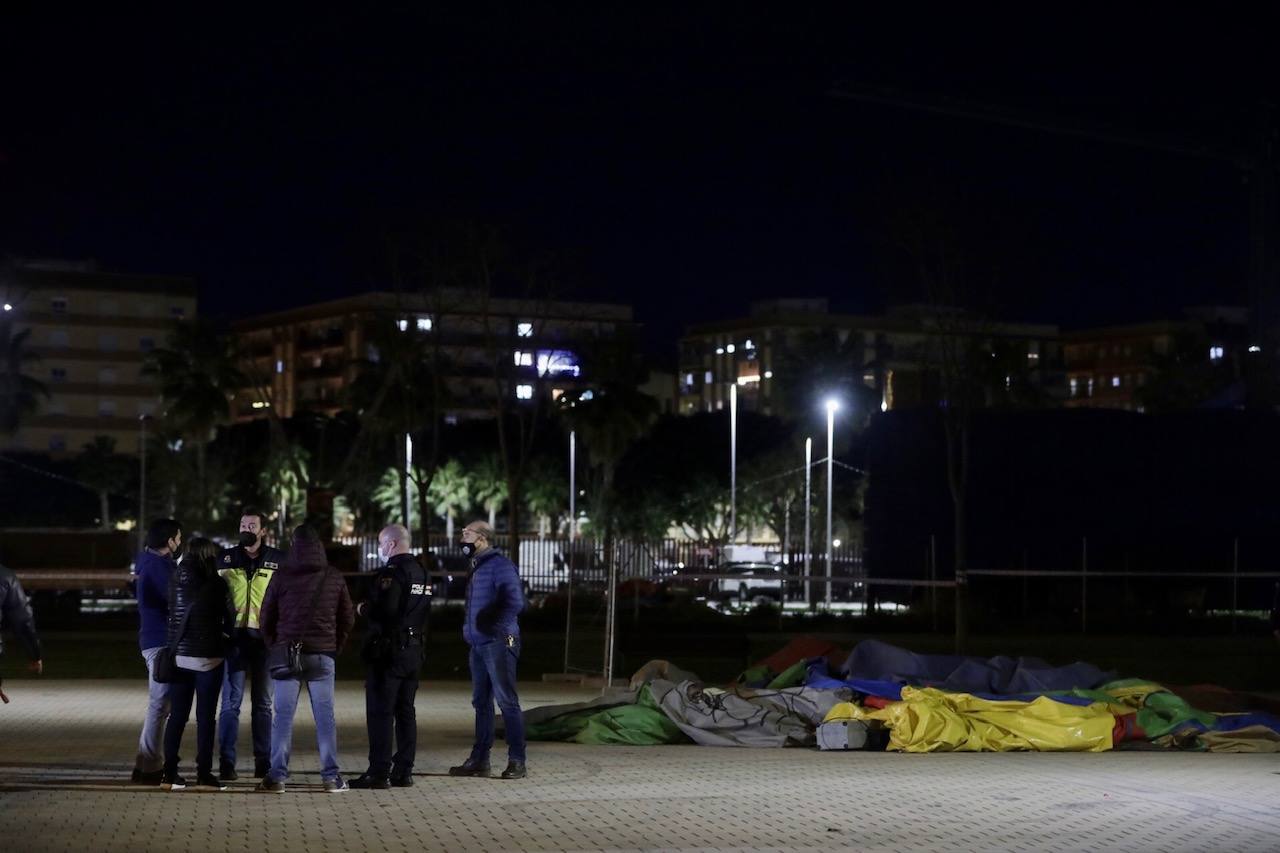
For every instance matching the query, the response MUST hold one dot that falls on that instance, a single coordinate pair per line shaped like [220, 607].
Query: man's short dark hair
[253, 510]
[161, 531]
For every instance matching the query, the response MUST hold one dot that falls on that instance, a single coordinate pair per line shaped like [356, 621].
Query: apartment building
[91, 331]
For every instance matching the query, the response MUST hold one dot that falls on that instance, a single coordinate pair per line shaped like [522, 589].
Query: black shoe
[515, 770]
[470, 767]
[261, 768]
[173, 782]
[208, 780]
[228, 773]
[402, 780]
[143, 777]
[367, 782]
[270, 786]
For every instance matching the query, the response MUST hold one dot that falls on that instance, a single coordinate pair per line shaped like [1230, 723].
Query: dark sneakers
[270, 786]
[470, 767]
[366, 782]
[403, 780]
[208, 780]
[515, 770]
[143, 777]
[228, 773]
[173, 782]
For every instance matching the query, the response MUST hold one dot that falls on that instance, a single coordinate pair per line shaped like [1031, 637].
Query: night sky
[686, 162]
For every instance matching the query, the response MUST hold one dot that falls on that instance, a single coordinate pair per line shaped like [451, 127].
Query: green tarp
[632, 719]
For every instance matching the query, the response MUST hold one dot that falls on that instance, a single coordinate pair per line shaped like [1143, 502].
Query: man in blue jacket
[494, 601]
[151, 578]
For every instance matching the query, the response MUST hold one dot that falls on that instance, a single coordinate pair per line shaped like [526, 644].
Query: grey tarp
[745, 716]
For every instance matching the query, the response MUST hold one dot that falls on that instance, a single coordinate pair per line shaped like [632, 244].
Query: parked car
[750, 580]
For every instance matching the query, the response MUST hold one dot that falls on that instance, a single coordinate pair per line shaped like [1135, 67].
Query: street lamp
[832, 405]
[733, 463]
[808, 540]
[142, 478]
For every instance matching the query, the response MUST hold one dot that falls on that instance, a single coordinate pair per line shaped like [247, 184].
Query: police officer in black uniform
[397, 607]
[16, 615]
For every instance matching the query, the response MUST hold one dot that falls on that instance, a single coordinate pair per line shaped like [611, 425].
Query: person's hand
[36, 666]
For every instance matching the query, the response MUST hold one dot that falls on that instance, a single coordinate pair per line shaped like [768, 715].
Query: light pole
[808, 515]
[408, 473]
[573, 537]
[142, 477]
[832, 405]
[733, 462]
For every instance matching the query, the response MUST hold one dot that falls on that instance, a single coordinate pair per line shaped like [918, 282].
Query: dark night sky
[688, 161]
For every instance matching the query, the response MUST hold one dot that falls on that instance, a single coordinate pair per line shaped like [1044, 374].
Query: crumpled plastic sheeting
[745, 716]
[931, 720]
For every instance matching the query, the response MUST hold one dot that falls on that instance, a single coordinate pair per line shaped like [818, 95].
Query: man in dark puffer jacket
[288, 616]
[199, 596]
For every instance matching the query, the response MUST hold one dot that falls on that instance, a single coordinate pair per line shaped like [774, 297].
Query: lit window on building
[1089, 390]
[768, 374]
[708, 378]
[558, 362]
[524, 330]
[1075, 386]
[719, 350]
[522, 358]
[524, 392]
[688, 379]
[1216, 353]
[402, 325]
[587, 395]
[729, 349]
[748, 344]
[1115, 381]
[1255, 348]
[424, 324]
[280, 366]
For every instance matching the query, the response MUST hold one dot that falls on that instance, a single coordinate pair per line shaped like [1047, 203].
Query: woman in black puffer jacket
[199, 595]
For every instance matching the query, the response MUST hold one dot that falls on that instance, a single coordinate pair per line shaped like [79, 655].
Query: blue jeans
[248, 657]
[493, 676]
[318, 676]
[203, 687]
[151, 741]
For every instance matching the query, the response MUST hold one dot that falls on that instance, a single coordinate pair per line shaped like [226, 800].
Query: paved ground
[66, 749]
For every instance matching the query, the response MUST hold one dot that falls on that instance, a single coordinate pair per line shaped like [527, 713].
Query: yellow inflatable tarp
[931, 720]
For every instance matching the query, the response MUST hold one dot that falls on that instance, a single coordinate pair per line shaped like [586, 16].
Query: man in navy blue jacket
[494, 601]
[151, 578]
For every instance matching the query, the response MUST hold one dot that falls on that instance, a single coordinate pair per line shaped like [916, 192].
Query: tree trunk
[513, 517]
[203, 521]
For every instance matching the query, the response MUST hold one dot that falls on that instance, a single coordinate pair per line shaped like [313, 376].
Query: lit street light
[733, 463]
[808, 514]
[832, 405]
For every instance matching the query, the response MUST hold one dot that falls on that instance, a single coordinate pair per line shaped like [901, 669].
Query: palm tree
[608, 422]
[489, 485]
[19, 393]
[450, 492]
[284, 480]
[198, 375]
[546, 491]
[100, 467]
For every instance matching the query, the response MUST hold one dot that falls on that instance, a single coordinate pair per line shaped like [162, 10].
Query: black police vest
[415, 603]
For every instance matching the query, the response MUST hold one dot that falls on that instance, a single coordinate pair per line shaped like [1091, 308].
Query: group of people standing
[219, 623]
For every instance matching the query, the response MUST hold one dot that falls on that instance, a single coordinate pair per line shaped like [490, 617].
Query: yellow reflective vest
[247, 579]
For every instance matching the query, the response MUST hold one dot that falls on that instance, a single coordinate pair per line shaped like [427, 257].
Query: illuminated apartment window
[1075, 386]
[1090, 387]
[279, 366]
[729, 349]
[708, 377]
[1216, 353]
[522, 358]
[1115, 381]
[424, 324]
[688, 379]
[524, 392]
[524, 330]
[402, 325]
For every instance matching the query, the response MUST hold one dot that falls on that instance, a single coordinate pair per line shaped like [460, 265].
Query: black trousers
[389, 710]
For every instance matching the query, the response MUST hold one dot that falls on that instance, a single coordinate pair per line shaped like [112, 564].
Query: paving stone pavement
[66, 749]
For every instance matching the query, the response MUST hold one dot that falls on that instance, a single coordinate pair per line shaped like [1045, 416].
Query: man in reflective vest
[247, 569]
